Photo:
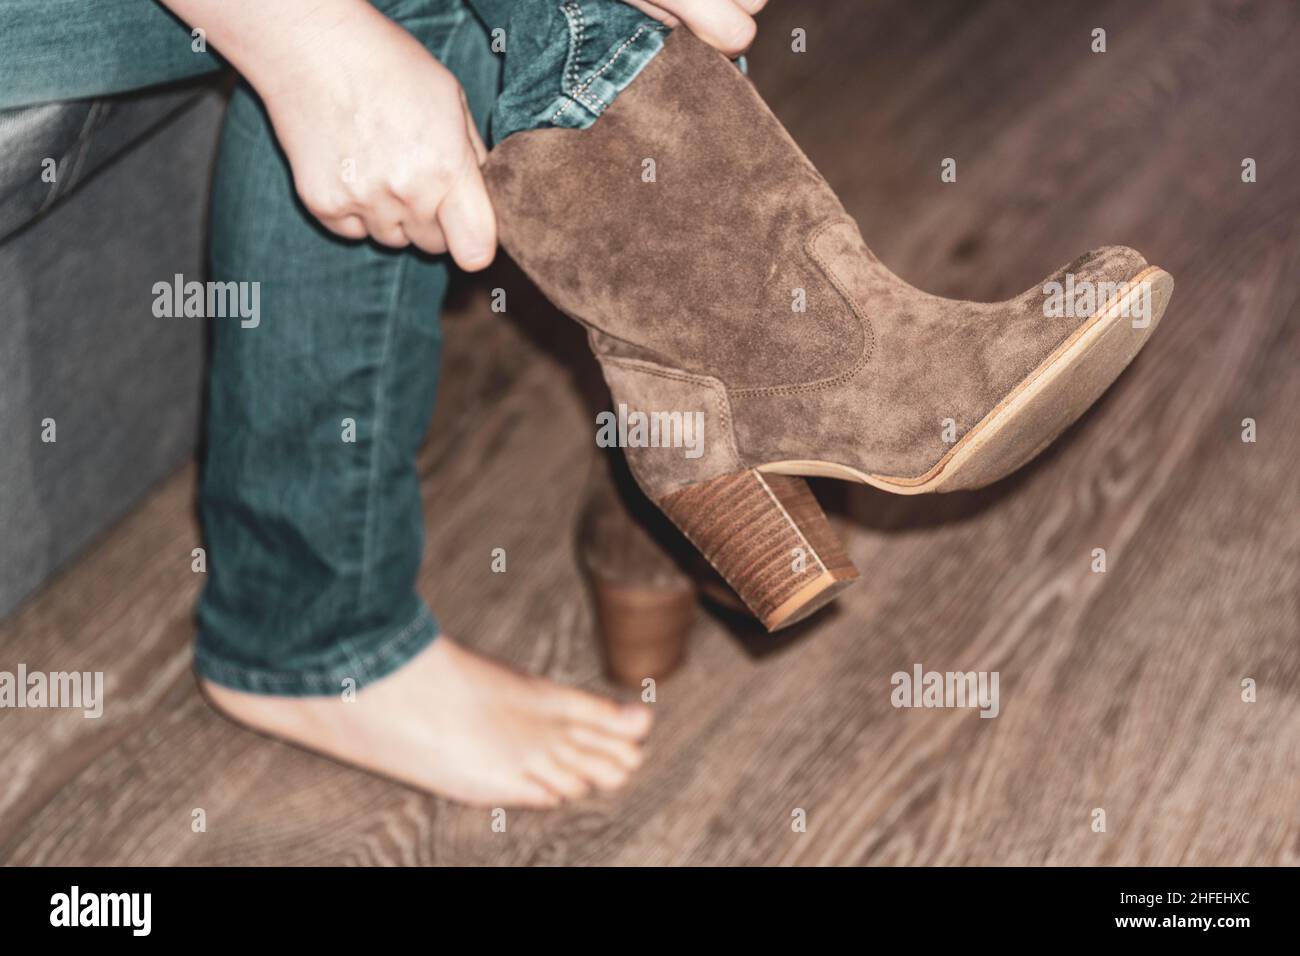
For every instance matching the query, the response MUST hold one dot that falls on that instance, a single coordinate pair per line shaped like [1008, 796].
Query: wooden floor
[1120, 691]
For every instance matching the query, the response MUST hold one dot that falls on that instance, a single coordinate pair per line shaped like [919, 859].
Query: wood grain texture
[1119, 690]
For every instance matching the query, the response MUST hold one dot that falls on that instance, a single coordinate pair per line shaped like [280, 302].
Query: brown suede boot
[720, 278]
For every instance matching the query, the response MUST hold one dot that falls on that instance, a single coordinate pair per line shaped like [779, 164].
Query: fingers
[463, 223]
[475, 140]
[384, 220]
[727, 25]
[349, 227]
[468, 222]
[426, 235]
[433, 196]
[384, 216]
[467, 207]
[458, 219]
[658, 12]
[379, 218]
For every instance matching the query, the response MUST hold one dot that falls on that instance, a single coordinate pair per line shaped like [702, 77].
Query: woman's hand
[382, 144]
[377, 132]
[727, 25]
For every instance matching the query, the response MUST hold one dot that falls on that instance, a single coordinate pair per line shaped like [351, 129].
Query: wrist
[276, 46]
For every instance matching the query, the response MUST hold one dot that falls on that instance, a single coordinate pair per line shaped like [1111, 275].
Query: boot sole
[1035, 412]
[764, 532]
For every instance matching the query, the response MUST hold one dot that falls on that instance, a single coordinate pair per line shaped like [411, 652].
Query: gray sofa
[78, 340]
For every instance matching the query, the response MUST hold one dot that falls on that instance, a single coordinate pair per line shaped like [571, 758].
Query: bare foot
[462, 726]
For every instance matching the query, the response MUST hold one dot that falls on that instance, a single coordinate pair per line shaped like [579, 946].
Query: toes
[631, 721]
[622, 751]
[557, 777]
[635, 720]
[593, 766]
[534, 795]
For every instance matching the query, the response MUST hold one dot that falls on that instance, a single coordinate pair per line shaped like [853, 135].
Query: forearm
[270, 44]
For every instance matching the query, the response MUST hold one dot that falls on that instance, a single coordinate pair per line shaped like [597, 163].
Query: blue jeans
[314, 541]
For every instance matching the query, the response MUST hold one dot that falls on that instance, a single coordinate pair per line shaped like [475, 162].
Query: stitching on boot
[716, 387]
[864, 323]
[648, 355]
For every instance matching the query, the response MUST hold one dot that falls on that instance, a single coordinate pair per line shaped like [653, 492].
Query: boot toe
[1115, 263]
[1100, 272]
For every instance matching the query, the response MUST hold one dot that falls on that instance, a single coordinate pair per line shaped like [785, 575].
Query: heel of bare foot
[461, 726]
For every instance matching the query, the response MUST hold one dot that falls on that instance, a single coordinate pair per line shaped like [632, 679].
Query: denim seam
[376, 432]
[213, 665]
[355, 661]
[577, 31]
[577, 91]
[600, 104]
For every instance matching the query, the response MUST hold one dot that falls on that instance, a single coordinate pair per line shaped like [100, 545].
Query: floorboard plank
[1119, 690]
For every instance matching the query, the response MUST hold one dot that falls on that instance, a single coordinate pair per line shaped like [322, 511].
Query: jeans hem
[364, 668]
